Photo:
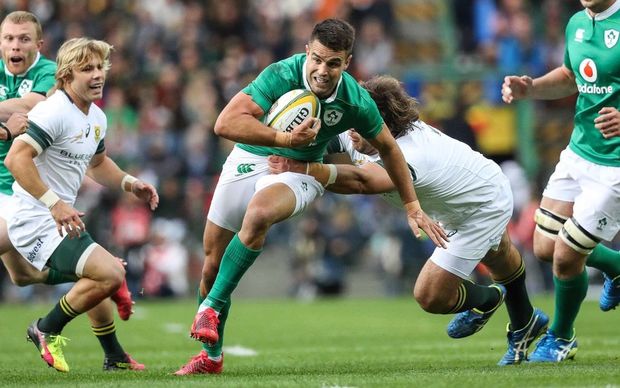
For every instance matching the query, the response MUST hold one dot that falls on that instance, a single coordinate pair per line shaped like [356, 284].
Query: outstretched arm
[105, 172]
[558, 83]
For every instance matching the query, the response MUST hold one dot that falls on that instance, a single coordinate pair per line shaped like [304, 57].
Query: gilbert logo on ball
[291, 109]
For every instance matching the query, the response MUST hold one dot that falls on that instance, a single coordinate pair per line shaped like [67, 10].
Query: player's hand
[417, 220]
[608, 122]
[360, 144]
[67, 219]
[305, 133]
[17, 124]
[516, 88]
[279, 164]
[146, 192]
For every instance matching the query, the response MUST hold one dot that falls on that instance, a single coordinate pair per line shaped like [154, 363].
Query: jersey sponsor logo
[25, 87]
[579, 35]
[587, 69]
[97, 133]
[589, 72]
[245, 168]
[332, 117]
[611, 38]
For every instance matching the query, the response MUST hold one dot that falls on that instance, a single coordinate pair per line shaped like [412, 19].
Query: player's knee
[577, 237]
[22, 280]
[429, 300]
[548, 225]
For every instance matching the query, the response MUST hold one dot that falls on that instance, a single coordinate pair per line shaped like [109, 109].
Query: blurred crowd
[177, 62]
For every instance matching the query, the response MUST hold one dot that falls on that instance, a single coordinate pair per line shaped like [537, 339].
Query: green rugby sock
[236, 261]
[58, 317]
[215, 350]
[106, 335]
[605, 259]
[472, 295]
[517, 301]
[568, 297]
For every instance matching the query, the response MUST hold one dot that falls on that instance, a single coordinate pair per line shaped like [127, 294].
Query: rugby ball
[291, 109]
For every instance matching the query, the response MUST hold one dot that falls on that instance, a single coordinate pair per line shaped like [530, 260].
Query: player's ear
[347, 62]
[307, 50]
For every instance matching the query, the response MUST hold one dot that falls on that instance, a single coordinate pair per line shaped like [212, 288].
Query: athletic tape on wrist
[49, 198]
[333, 174]
[128, 178]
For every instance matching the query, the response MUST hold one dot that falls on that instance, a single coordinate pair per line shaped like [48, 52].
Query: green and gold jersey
[350, 106]
[593, 54]
[39, 78]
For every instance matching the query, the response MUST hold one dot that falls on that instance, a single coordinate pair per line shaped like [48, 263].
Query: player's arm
[558, 83]
[20, 162]
[15, 126]
[106, 172]
[239, 122]
[397, 168]
[19, 105]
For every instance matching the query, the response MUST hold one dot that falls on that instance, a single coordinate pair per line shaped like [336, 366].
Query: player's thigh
[553, 213]
[5, 243]
[20, 271]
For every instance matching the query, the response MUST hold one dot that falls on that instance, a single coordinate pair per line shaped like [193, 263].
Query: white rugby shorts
[243, 174]
[477, 235]
[594, 190]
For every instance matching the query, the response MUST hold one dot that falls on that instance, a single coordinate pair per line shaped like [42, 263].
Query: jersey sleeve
[44, 126]
[370, 121]
[275, 80]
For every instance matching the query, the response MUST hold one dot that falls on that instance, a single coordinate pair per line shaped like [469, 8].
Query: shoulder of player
[43, 66]
[353, 94]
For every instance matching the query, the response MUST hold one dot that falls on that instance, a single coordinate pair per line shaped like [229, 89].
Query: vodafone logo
[587, 69]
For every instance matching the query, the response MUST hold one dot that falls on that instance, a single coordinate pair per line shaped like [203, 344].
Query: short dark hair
[335, 34]
[398, 109]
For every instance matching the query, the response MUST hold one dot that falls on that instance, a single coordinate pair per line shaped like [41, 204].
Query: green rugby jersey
[39, 78]
[593, 54]
[349, 107]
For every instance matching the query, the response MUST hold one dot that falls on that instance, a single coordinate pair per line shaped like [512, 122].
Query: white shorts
[594, 190]
[473, 238]
[243, 174]
[31, 229]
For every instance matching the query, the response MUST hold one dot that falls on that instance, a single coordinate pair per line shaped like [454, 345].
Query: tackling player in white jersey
[471, 198]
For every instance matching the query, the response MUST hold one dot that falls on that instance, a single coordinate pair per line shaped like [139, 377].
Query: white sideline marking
[238, 350]
[174, 327]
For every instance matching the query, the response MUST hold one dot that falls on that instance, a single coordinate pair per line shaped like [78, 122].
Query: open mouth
[16, 60]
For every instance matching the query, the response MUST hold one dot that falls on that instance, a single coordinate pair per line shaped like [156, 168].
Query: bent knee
[22, 280]
[431, 302]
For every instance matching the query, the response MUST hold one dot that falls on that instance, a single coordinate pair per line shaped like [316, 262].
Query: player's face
[19, 45]
[597, 6]
[324, 68]
[87, 83]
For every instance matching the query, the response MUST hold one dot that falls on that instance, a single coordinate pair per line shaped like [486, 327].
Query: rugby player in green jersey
[247, 202]
[581, 203]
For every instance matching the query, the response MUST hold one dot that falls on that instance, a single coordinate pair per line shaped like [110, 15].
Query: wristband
[333, 174]
[49, 198]
[128, 179]
[9, 135]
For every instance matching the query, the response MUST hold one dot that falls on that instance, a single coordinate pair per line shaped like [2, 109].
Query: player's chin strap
[576, 237]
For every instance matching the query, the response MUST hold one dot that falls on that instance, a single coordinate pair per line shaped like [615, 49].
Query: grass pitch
[332, 343]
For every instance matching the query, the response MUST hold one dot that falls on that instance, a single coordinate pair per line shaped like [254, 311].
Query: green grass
[335, 343]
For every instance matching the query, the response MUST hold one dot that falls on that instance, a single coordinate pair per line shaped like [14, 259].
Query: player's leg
[102, 324]
[100, 277]
[210, 358]
[526, 323]
[439, 290]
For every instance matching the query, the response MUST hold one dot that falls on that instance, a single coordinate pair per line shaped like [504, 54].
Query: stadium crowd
[175, 65]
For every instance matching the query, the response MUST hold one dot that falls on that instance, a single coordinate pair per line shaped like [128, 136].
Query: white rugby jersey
[66, 140]
[451, 180]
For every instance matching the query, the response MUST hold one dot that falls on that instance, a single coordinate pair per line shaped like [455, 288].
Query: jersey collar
[606, 13]
[307, 85]
[36, 59]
